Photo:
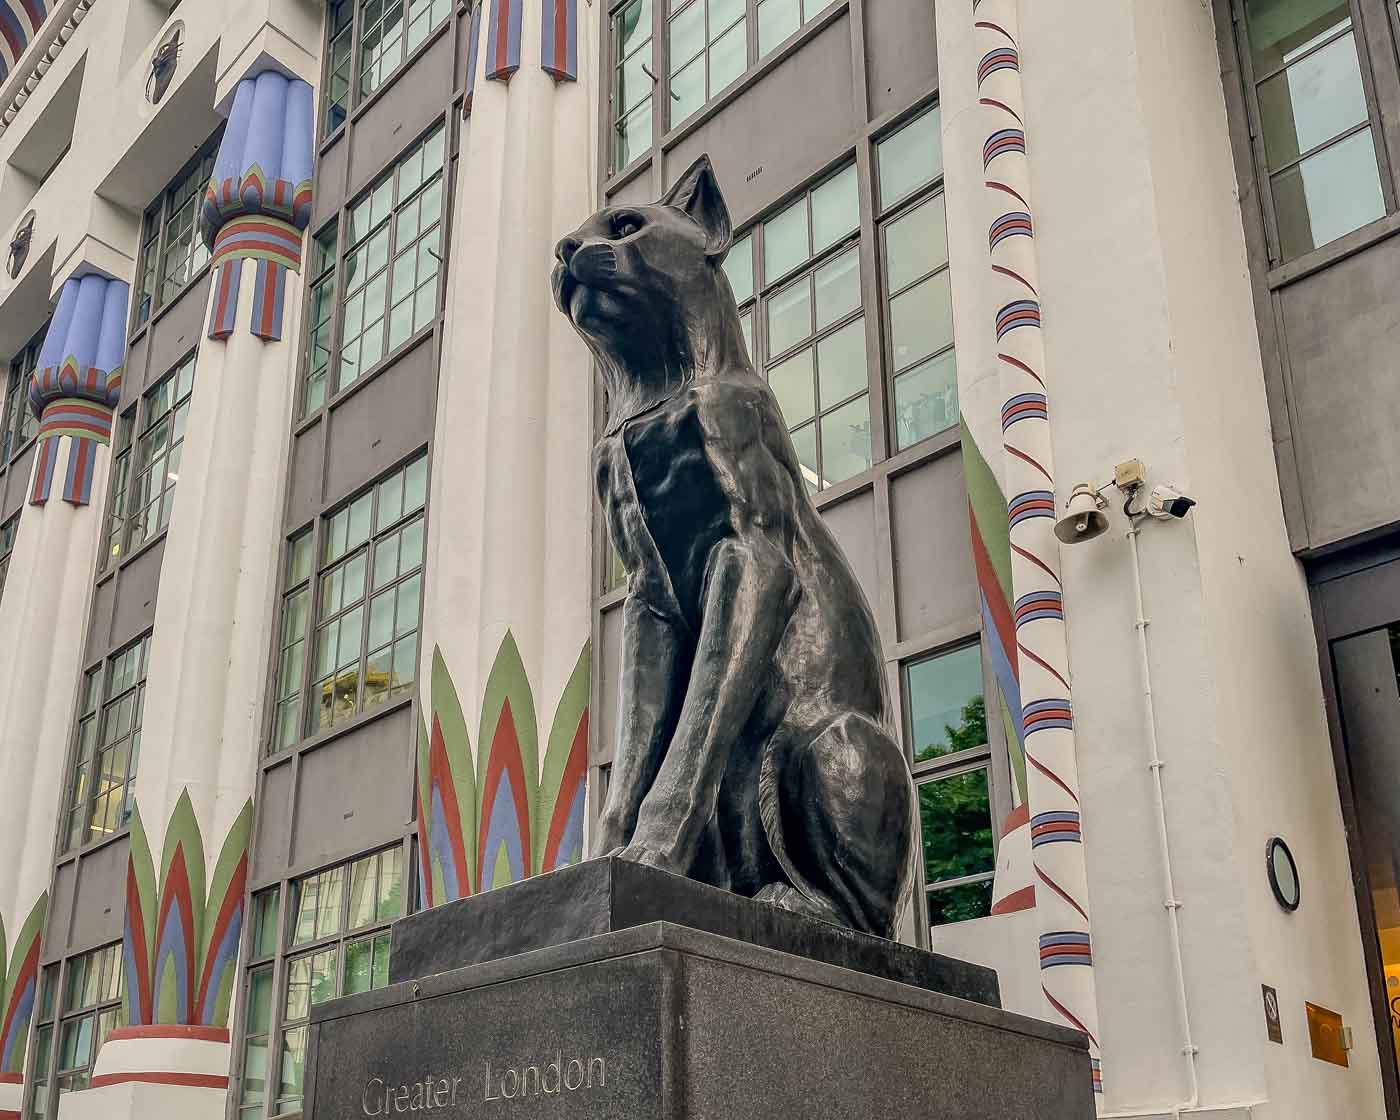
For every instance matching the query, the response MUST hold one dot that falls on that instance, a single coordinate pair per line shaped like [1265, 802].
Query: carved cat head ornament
[645, 288]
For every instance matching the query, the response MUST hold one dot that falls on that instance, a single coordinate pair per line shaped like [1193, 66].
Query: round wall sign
[1283, 874]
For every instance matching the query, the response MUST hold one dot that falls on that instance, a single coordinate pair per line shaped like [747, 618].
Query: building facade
[308, 618]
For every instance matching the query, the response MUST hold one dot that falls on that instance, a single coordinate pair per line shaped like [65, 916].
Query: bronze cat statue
[754, 749]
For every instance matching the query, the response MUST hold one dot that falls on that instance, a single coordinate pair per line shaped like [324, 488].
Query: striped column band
[559, 39]
[1047, 711]
[503, 39]
[276, 246]
[86, 424]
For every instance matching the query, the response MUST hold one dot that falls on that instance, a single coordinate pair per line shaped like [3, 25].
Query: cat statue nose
[566, 249]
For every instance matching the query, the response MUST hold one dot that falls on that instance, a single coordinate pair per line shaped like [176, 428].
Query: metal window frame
[65, 850]
[61, 1015]
[15, 416]
[155, 248]
[285, 953]
[141, 457]
[1384, 134]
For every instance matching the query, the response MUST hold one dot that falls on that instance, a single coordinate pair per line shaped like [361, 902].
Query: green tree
[956, 818]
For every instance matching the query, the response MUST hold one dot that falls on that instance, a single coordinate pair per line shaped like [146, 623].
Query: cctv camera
[1166, 501]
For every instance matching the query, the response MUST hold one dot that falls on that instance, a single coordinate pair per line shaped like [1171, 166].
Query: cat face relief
[630, 266]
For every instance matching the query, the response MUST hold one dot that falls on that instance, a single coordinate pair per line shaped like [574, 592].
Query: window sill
[1358, 240]
[90, 847]
[343, 395]
[322, 738]
[164, 309]
[18, 452]
[132, 556]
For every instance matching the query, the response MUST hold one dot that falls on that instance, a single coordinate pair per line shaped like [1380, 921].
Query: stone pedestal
[573, 996]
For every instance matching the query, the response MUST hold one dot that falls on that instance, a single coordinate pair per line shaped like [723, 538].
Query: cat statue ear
[697, 194]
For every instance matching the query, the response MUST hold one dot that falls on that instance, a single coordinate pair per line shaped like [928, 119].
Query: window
[806, 330]
[7, 547]
[707, 48]
[108, 746]
[41, 1052]
[320, 321]
[368, 591]
[947, 730]
[18, 424]
[632, 81]
[1316, 140]
[144, 473]
[172, 248]
[392, 260]
[918, 297]
[335, 941]
[387, 31]
[92, 989]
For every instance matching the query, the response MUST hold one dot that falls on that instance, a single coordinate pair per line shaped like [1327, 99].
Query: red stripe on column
[185, 1080]
[196, 1034]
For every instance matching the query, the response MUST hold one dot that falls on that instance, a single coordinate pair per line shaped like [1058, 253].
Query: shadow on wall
[501, 813]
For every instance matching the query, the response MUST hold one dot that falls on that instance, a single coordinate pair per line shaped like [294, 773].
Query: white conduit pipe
[1172, 904]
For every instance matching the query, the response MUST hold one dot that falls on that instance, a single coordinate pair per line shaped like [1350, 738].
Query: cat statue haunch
[754, 750]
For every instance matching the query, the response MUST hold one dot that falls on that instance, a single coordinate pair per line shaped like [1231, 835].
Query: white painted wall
[1152, 352]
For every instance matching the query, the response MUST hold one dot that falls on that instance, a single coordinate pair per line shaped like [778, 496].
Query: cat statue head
[645, 288]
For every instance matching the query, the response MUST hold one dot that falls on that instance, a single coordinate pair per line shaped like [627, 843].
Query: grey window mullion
[869, 256]
[318, 531]
[1374, 46]
[1346, 134]
[1312, 50]
[1256, 130]
[337, 320]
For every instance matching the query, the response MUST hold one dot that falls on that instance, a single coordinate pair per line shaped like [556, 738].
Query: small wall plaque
[1330, 1039]
[1272, 1020]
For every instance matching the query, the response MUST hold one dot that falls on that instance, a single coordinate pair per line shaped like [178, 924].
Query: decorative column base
[157, 1073]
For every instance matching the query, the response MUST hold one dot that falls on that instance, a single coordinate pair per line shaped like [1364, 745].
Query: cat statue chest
[665, 498]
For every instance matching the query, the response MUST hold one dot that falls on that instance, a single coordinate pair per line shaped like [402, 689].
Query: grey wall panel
[304, 479]
[104, 600]
[330, 182]
[135, 608]
[935, 583]
[355, 792]
[414, 100]
[179, 329]
[382, 423]
[98, 912]
[758, 145]
[274, 824]
[55, 941]
[853, 523]
[1342, 334]
[135, 379]
[901, 53]
[636, 191]
[604, 729]
[16, 483]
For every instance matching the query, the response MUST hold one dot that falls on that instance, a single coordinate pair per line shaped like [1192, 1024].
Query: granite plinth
[663, 1022]
[608, 895]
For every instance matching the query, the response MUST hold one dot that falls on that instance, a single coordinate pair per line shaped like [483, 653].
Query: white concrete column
[505, 657]
[43, 615]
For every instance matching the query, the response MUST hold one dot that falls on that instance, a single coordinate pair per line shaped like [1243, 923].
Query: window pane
[728, 56]
[634, 134]
[687, 91]
[265, 922]
[946, 711]
[785, 238]
[804, 441]
[846, 441]
[835, 209]
[363, 891]
[687, 35]
[289, 1089]
[921, 320]
[1312, 101]
[738, 266]
[1281, 30]
[789, 316]
[910, 158]
[956, 818]
[793, 385]
[838, 288]
[633, 27]
[960, 903]
[1328, 195]
[926, 400]
[777, 19]
[259, 1017]
[841, 364]
[916, 244]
